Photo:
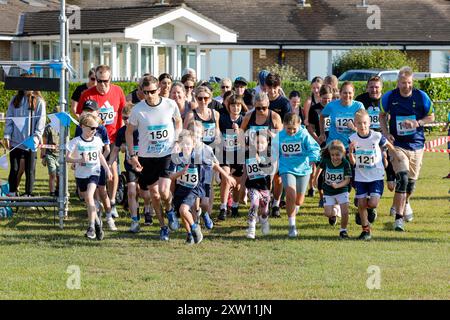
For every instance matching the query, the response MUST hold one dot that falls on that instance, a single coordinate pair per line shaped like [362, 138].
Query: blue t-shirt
[415, 107]
[295, 153]
[339, 117]
[280, 105]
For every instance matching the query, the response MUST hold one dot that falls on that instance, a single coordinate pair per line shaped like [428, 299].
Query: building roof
[274, 22]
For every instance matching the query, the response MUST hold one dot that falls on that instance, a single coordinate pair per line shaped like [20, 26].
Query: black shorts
[131, 176]
[82, 183]
[153, 169]
[102, 178]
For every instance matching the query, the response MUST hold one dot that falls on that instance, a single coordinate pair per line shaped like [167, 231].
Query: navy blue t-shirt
[120, 139]
[415, 107]
[280, 105]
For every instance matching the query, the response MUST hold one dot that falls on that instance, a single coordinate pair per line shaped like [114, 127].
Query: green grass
[35, 254]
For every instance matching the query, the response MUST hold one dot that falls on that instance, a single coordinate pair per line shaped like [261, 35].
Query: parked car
[424, 75]
[366, 74]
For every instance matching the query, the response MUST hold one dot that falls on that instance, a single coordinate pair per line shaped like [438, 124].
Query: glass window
[75, 56]
[95, 53]
[106, 52]
[86, 47]
[56, 53]
[165, 60]
[188, 57]
[121, 61]
[25, 50]
[146, 60]
[133, 62]
[45, 56]
[36, 50]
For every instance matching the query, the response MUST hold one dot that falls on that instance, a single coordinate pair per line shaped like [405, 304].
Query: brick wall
[422, 57]
[297, 59]
[5, 50]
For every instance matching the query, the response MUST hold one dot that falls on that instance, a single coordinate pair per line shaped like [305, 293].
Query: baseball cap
[240, 80]
[90, 105]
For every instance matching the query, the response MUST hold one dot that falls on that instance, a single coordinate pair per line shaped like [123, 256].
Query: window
[45, 56]
[121, 61]
[86, 47]
[165, 60]
[146, 60]
[75, 56]
[95, 53]
[106, 52]
[188, 57]
[133, 62]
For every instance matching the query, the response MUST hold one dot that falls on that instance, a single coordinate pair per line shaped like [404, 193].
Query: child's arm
[341, 184]
[113, 155]
[224, 175]
[351, 153]
[71, 159]
[176, 175]
[105, 166]
[316, 176]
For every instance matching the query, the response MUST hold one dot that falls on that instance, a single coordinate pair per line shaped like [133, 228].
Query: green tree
[372, 59]
[286, 72]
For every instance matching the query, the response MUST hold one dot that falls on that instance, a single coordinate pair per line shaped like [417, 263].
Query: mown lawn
[35, 255]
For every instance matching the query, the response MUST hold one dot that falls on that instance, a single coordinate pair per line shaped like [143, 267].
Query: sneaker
[164, 234]
[282, 204]
[222, 215]
[173, 220]
[234, 212]
[276, 212]
[90, 233]
[148, 219]
[343, 235]
[251, 232]
[135, 228]
[371, 214]
[320, 203]
[408, 213]
[99, 230]
[114, 212]
[357, 219]
[197, 234]
[190, 239]
[365, 235]
[392, 212]
[311, 193]
[111, 224]
[446, 177]
[332, 221]
[292, 232]
[209, 224]
[265, 226]
[398, 225]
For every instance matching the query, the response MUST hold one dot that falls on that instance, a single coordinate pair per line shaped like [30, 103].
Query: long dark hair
[32, 95]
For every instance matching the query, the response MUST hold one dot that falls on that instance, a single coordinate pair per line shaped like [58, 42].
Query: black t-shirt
[216, 105]
[373, 107]
[280, 105]
[78, 91]
[120, 139]
[314, 116]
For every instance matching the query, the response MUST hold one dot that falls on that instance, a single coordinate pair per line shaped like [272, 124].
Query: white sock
[263, 220]
[291, 221]
[297, 208]
[223, 206]
[343, 229]
[108, 215]
[276, 203]
[91, 224]
[252, 223]
[235, 205]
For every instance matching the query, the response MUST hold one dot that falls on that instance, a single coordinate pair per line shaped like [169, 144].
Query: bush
[372, 59]
[286, 72]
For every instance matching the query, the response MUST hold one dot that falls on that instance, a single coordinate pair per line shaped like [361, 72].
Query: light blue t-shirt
[339, 117]
[295, 153]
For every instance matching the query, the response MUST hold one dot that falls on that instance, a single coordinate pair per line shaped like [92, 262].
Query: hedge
[437, 89]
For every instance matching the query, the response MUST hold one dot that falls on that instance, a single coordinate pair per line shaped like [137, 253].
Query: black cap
[90, 105]
[240, 80]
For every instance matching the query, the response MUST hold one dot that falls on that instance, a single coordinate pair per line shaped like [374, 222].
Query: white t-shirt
[369, 162]
[93, 149]
[156, 127]
[219, 99]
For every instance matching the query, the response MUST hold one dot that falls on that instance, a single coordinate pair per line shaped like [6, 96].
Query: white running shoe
[135, 227]
[393, 212]
[114, 212]
[265, 227]
[111, 224]
[292, 232]
[408, 213]
[251, 231]
[398, 225]
[337, 210]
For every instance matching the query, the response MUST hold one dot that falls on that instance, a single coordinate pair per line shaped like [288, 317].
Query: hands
[334, 185]
[231, 180]
[411, 124]
[390, 138]
[109, 175]
[322, 138]
[351, 147]
[134, 162]
[44, 162]
[6, 143]
[351, 125]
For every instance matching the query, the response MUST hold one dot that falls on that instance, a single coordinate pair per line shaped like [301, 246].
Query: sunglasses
[202, 98]
[225, 87]
[125, 118]
[93, 79]
[188, 87]
[102, 81]
[261, 108]
[147, 92]
[92, 128]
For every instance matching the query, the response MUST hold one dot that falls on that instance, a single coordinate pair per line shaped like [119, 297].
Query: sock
[297, 208]
[223, 206]
[276, 203]
[252, 223]
[194, 226]
[108, 215]
[135, 219]
[147, 209]
[113, 203]
[397, 216]
[235, 205]
[291, 221]
[342, 230]
[91, 224]
[263, 220]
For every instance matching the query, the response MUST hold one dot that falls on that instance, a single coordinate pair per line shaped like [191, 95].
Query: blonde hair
[336, 145]
[200, 89]
[127, 109]
[88, 118]
[405, 72]
[361, 113]
[291, 119]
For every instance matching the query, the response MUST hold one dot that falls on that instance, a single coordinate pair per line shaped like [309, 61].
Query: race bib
[401, 129]
[253, 131]
[209, 131]
[158, 138]
[189, 179]
[253, 170]
[291, 149]
[327, 124]
[341, 124]
[107, 114]
[374, 114]
[230, 142]
[334, 176]
[365, 159]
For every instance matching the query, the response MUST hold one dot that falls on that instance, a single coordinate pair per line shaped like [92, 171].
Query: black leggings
[30, 167]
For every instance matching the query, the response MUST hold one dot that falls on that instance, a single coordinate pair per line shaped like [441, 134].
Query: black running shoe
[365, 235]
[371, 214]
[276, 212]
[311, 193]
[332, 221]
[222, 215]
[148, 219]
[234, 212]
[343, 235]
[99, 230]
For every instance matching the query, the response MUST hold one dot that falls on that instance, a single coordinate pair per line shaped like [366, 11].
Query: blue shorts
[82, 183]
[372, 189]
[300, 183]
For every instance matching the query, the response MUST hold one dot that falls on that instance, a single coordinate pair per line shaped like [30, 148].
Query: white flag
[54, 122]
[6, 69]
[19, 122]
[25, 66]
[4, 162]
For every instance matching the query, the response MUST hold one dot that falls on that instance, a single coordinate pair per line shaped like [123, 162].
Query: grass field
[35, 255]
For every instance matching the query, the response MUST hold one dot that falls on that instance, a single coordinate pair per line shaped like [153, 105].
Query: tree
[372, 59]
[286, 72]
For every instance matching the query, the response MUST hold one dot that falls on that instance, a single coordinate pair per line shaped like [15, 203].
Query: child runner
[259, 178]
[295, 150]
[86, 152]
[366, 155]
[49, 157]
[190, 178]
[336, 183]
